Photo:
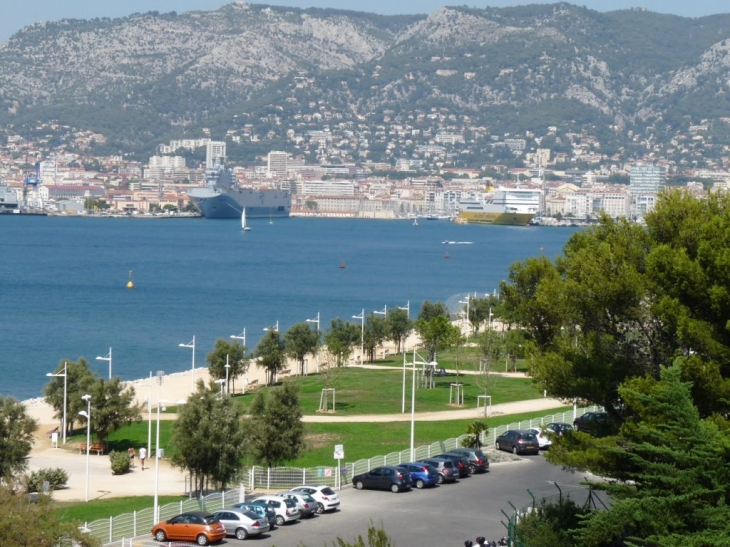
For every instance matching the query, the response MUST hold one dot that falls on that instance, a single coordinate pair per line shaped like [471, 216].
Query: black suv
[598, 424]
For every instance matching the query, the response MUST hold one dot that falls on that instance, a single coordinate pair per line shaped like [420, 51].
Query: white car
[305, 502]
[325, 497]
[286, 510]
[542, 439]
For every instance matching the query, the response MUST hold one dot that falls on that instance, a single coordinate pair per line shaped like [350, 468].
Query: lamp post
[275, 328]
[361, 317]
[156, 509]
[149, 420]
[220, 382]
[467, 315]
[490, 318]
[315, 321]
[107, 358]
[241, 337]
[228, 367]
[87, 414]
[407, 307]
[192, 372]
[65, 391]
[383, 312]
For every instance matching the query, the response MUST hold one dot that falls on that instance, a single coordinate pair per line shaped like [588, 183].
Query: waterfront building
[277, 163]
[215, 154]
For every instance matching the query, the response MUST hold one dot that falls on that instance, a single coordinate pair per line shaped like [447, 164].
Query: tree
[276, 428]
[112, 406]
[78, 383]
[431, 310]
[375, 333]
[491, 345]
[398, 327]
[270, 353]
[340, 338]
[36, 524]
[475, 431]
[16, 438]
[437, 334]
[225, 352]
[300, 340]
[209, 435]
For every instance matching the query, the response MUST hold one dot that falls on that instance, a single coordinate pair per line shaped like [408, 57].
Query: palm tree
[474, 432]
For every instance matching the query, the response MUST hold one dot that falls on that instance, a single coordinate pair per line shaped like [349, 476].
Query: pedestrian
[142, 456]
[131, 456]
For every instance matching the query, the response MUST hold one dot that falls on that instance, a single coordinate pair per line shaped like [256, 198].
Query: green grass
[468, 358]
[102, 509]
[134, 435]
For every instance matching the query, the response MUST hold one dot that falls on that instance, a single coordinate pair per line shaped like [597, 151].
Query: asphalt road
[442, 516]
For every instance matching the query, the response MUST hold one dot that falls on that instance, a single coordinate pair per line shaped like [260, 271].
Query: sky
[31, 11]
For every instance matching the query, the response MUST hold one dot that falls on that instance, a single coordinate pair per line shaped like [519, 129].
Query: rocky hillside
[144, 75]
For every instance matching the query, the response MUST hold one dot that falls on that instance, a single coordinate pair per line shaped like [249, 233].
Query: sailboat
[243, 221]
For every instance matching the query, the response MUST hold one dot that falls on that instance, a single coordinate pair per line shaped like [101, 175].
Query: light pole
[156, 509]
[228, 367]
[107, 358]
[490, 318]
[361, 317]
[383, 312]
[315, 321]
[192, 372]
[87, 414]
[241, 337]
[220, 382]
[407, 307]
[275, 328]
[467, 315]
[65, 390]
[149, 420]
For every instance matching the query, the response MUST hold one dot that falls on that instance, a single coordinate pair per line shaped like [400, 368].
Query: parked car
[286, 510]
[327, 499]
[519, 441]
[387, 477]
[241, 523]
[446, 468]
[198, 526]
[461, 462]
[422, 474]
[260, 509]
[559, 428]
[477, 459]
[542, 439]
[305, 502]
[598, 424]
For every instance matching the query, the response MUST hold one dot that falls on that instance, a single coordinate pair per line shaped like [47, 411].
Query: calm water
[63, 281]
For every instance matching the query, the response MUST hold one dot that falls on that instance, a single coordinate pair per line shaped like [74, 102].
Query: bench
[96, 447]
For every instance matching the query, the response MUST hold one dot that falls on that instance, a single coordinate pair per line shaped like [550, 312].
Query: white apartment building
[647, 179]
[328, 188]
[277, 163]
[167, 162]
[215, 154]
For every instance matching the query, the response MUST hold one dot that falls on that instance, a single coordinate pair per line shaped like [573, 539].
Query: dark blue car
[422, 474]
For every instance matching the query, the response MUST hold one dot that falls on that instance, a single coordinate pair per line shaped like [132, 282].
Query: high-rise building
[277, 163]
[215, 154]
[647, 179]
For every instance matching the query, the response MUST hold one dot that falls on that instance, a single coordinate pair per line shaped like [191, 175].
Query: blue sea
[63, 282]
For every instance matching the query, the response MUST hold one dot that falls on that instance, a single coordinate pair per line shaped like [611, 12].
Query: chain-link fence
[131, 525]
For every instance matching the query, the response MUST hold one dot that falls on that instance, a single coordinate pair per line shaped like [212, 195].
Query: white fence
[131, 529]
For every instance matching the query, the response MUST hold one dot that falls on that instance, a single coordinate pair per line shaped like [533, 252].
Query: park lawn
[105, 508]
[365, 440]
[468, 358]
[367, 391]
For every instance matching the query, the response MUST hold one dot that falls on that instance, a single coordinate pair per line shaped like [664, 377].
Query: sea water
[63, 283]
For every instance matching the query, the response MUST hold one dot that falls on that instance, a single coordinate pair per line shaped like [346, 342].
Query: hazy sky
[27, 12]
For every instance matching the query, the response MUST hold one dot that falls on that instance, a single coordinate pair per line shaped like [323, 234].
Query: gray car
[241, 523]
[478, 461]
[446, 469]
[305, 502]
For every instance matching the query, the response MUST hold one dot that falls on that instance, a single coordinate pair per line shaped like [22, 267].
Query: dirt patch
[320, 440]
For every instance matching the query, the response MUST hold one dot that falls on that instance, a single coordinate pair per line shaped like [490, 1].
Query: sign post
[339, 456]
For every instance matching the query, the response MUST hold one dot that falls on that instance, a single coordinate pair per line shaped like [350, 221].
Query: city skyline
[49, 10]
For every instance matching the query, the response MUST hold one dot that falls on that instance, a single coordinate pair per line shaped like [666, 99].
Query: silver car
[305, 502]
[242, 524]
[286, 510]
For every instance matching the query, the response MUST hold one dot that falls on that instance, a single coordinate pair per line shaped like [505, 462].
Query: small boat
[243, 221]
[415, 222]
[446, 255]
[342, 265]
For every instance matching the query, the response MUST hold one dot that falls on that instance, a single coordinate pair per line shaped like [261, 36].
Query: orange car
[197, 526]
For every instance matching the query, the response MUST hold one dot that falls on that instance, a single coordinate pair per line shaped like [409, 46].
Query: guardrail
[133, 529]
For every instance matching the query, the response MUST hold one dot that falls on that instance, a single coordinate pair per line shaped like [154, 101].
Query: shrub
[120, 462]
[56, 478]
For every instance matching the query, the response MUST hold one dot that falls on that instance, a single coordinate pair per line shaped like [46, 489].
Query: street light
[65, 390]
[275, 328]
[228, 367]
[361, 317]
[315, 321]
[192, 373]
[107, 358]
[467, 315]
[383, 312]
[241, 337]
[220, 382]
[407, 307]
[490, 318]
[87, 414]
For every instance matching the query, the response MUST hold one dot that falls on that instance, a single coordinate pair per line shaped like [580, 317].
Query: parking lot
[441, 516]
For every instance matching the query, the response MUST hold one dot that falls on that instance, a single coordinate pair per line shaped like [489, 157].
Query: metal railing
[114, 531]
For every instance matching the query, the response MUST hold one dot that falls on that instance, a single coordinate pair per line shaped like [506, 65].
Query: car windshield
[528, 436]
[328, 491]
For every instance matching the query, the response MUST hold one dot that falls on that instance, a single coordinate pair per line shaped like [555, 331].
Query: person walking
[142, 456]
[131, 456]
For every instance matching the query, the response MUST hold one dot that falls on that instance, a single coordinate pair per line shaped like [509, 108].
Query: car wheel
[441, 479]
[320, 508]
[473, 469]
[497, 446]
[201, 539]
[279, 520]
[394, 488]
[359, 485]
[420, 484]
[241, 533]
[160, 535]
[514, 450]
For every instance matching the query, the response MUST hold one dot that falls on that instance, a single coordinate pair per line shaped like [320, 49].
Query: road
[442, 516]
